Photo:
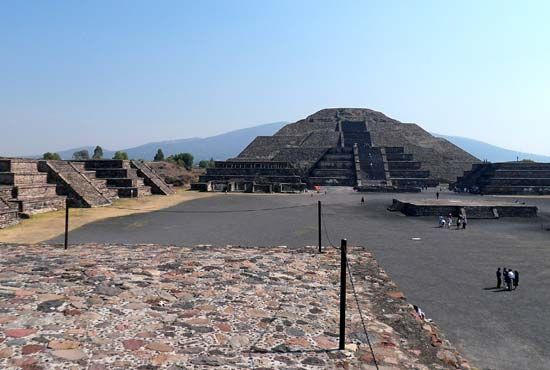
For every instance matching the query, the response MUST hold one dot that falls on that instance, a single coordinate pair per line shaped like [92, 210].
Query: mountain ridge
[217, 146]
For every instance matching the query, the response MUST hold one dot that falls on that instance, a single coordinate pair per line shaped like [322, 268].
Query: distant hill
[219, 147]
[230, 144]
[490, 152]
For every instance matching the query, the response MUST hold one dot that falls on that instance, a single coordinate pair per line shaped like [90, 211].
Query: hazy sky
[122, 73]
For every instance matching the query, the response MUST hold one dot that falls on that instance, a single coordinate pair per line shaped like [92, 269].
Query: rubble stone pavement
[166, 307]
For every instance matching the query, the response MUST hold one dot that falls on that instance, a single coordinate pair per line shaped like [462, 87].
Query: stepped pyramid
[342, 147]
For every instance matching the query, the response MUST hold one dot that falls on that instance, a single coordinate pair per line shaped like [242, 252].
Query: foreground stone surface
[166, 307]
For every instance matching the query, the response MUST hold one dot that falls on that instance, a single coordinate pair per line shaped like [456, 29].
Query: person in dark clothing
[516, 279]
[362, 201]
[499, 278]
[437, 195]
[506, 278]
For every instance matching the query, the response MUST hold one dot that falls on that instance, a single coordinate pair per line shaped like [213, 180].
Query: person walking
[499, 278]
[516, 279]
[506, 278]
[362, 201]
[437, 195]
[464, 222]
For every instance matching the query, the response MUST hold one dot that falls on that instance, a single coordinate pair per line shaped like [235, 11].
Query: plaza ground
[447, 273]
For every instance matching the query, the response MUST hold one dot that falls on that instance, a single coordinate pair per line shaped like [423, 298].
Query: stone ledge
[115, 306]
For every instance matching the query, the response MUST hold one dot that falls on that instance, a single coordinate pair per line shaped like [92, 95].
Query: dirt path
[46, 226]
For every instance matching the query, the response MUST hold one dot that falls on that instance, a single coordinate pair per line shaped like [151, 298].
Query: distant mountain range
[490, 152]
[219, 147]
[230, 144]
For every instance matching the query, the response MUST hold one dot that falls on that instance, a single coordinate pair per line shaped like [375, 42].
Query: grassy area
[45, 226]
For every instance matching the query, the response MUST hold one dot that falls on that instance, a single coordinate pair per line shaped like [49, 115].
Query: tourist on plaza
[437, 195]
[458, 222]
[441, 221]
[362, 201]
[506, 277]
[450, 221]
[464, 222]
[499, 278]
[516, 279]
[511, 278]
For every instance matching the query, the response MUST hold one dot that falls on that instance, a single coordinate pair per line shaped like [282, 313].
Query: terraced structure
[519, 178]
[29, 186]
[341, 147]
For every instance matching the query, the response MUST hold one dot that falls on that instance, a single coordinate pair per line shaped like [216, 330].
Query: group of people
[447, 222]
[511, 278]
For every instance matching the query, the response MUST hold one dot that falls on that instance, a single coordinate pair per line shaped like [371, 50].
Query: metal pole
[66, 223]
[343, 264]
[319, 225]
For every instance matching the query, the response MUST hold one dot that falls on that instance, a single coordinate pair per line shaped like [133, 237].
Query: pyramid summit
[345, 147]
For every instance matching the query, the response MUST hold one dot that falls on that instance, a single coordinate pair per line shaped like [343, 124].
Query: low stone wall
[483, 210]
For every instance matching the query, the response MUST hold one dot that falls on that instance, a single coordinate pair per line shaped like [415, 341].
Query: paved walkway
[447, 272]
[158, 307]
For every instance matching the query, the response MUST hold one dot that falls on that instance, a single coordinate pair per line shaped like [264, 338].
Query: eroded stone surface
[165, 307]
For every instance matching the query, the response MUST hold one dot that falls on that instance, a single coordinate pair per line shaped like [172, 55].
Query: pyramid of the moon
[342, 147]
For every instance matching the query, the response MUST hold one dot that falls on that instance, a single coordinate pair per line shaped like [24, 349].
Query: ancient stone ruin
[341, 147]
[506, 178]
[29, 186]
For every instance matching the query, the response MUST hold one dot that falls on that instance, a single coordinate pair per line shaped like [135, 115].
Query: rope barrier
[355, 296]
[361, 315]
[219, 211]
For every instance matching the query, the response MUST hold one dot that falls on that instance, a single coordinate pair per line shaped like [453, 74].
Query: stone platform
[165, 307]
[473, 208]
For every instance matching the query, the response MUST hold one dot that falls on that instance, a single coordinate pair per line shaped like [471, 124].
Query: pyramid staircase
[151, 178]
[115, 175]
[382, 167]
[76, 184]
[335, 168]
[27, 190]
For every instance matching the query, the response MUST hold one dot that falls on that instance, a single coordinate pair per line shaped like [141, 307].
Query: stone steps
[34, 191]
[75, 184]
[25, 178]
[33, 206]
[409, 173]
[515, 181]
[151, 178]
[9, 216]
[333, 172]
[404, 165]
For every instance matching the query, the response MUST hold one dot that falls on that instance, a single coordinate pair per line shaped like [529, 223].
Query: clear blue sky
[122, 73]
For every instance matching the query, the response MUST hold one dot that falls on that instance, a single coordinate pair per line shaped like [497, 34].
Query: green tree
[120, 155]
[159, 156]
[207, 164]
[81, 155]
[98, 153]
[183, 159]
[51, 156]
